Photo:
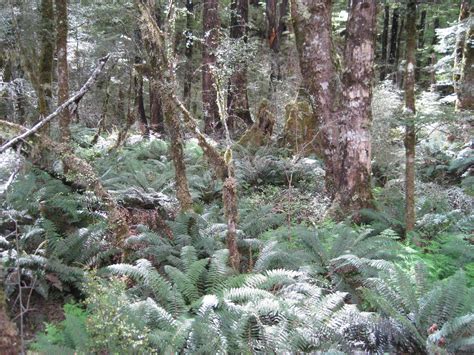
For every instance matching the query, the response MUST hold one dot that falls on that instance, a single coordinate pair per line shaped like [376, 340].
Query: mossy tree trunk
[63, 72]
[342, 97]
[156, 43]
[465, 83]
[188, 52]
[410, 133]
[237, 98]
[163, 77]
[45, 68]
[459, 47]
[211, 24]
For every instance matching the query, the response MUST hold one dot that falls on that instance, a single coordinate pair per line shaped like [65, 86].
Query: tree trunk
[432, 59]
[188, 52]
[420, 43]
[343, 99]
[237, 99]
[211, 24]
[394, 36]
[63, 73]
[465, 99]
[386, 21]
[410, 135]
[46, 56]
[276, 26]
[398, 78]
[138, 87]
[157, 121]
[460, 46]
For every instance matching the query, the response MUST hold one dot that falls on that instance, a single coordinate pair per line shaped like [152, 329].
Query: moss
[301, 128]
[261, 131]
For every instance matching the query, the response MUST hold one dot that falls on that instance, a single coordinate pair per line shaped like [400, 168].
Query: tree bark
[188, 52]
[157, 121]
[384, 39]
[343, 98]
[394, 35]
[464, 22]
[63, 72]
[211, 24]
[275, 12]
[410, 134]
[237, 99]
[138, 87]
[465, 99]
[46, 56]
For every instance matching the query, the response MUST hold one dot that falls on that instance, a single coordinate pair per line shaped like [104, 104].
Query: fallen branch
[81, 172]
[73, 100]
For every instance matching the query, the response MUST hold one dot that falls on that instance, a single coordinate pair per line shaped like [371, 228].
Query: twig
[73, 101]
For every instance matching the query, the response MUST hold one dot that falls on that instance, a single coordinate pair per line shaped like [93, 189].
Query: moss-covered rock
[300, 132]
[261, 131]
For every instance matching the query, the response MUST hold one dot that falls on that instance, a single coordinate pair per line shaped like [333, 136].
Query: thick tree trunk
[459, 50]
[63, 73]
[410, 135]
[211, 24]
[188, 52]
[384, 39]
[342, 99]
[237, 99]
[465, 99]
[46, 56]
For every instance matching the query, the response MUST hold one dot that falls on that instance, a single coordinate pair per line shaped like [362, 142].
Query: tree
[464, 72]
[210, 24]
[460, 38]
[46, 56]
[237, 99]
[188, 52]
[275, 12]
[394, 36]
[63, 72]
[342, 97]
[384, 39]
[410, 133]
[164, 81]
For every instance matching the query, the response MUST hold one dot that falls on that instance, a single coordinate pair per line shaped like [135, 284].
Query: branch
[72, 100]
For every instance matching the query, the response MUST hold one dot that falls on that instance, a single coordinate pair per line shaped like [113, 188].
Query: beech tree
[341, 96]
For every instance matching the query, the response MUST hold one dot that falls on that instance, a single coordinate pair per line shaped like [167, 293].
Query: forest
[236, 177]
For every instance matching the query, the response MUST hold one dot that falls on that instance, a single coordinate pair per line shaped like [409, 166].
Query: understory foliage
[303, 287]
